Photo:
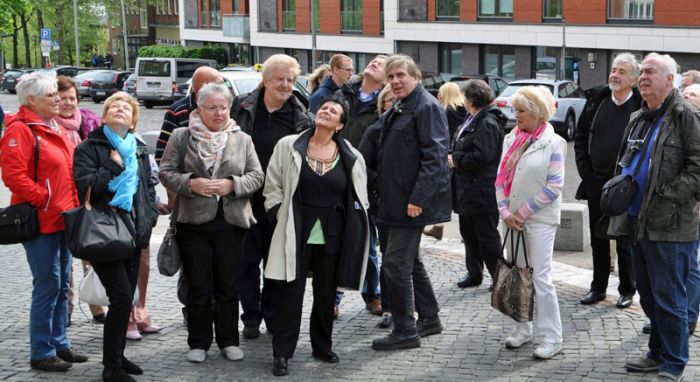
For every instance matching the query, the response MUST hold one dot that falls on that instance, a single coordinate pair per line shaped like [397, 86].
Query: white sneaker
[196, 355]
[517, 340]
[232, 353]
[547, 350]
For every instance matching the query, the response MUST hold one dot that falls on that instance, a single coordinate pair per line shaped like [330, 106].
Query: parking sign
[46, 34]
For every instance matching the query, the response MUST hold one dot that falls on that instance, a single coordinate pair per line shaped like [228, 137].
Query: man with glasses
[341, 72]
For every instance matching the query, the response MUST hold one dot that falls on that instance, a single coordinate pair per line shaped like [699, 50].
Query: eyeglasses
[214, 109]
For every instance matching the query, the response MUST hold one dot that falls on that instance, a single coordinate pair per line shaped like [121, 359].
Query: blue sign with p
[46, 34]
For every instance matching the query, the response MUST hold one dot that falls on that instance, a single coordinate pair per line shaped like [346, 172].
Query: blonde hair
[337, 60]
[124, 97]
[537, 100]
[279, 62]
[381, 97]
[451, 95]
[317, 76]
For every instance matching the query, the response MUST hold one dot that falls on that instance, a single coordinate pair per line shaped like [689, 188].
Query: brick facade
[371, 17]
[585, 12]
[527, 11]
[303, 16]
[330, 16]
[678, 12]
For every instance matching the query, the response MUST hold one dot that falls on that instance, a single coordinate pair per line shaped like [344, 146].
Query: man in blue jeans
[664, 139]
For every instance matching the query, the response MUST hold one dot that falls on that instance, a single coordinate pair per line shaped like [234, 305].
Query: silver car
[569, 100]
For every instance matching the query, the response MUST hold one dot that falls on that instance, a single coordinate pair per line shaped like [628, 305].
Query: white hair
[630, 59]
[213, 88]
[670, 64]
[35, 84]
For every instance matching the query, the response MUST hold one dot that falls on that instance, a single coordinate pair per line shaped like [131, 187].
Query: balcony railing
[351, 21]
[236, 25]
[289, 20]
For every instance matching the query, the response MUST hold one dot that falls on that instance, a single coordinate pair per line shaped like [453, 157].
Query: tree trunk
[60, 33]
[25, 33]
[15, 53]
[40, 26]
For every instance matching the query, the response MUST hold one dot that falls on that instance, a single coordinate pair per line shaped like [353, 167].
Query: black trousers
[482, 243]
[601, 248]
[119, 279]
[383, 239]
[407, 280]
[256, 245]
[211, 254]
[290, 296]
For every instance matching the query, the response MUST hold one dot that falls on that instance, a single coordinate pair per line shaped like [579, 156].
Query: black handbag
[513, 288]
[98, 235]
[19, 223]
[169, 261]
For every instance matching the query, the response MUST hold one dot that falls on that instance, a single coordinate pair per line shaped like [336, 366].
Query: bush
[178, 51]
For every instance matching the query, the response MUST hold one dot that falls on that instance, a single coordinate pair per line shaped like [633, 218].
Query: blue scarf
[124, 185]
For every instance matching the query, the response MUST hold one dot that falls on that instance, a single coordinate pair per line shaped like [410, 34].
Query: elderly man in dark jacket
[662, 220]
[598, 137]
[268, 114]
[414, 191]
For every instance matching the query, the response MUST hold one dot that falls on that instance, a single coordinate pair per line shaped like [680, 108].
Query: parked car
[12, 78]
[158, 78]
[569, 100]
[107, 83]
[130, 85]
[496, 83]
[66, 70]
[432, 84]
[83, 80]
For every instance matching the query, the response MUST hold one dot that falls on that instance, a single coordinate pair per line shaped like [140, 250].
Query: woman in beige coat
[213, 168]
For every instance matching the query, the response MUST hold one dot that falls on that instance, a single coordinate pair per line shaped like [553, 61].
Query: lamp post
[563, 47]
[36, 54]
[313, 34]
[126, 46]
[75, 23]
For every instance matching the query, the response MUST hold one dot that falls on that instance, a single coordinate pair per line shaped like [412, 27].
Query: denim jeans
[370, 288]
[661, 270]
[693, 288]
[50, 263]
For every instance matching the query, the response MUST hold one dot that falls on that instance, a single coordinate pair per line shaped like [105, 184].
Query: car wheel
[12, 91]
[570, 126]
[148, 104]
[96, 100]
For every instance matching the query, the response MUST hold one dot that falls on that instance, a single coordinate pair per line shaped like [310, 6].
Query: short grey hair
[213, 88]
[629, 59]
[35, 84]
[670, 65]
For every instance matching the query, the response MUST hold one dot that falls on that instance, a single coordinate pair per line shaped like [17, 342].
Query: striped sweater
[177, 115]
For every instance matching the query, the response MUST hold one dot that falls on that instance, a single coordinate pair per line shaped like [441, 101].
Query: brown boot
[435, 231]
[375, 306]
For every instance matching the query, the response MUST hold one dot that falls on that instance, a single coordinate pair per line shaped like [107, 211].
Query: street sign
[56, 46]
[45, 34]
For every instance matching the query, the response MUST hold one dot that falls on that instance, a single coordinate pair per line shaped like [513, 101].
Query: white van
[158, 78]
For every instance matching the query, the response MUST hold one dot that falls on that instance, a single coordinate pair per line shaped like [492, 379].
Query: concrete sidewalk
[597, 338]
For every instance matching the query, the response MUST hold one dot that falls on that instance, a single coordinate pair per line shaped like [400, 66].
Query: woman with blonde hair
[529, 182]
[317, 76]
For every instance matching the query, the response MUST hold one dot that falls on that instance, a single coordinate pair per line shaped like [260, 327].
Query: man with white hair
[598, 137]
[662, 219]
[691, 93]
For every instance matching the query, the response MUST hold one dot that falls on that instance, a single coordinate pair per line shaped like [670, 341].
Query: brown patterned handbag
[513, 289]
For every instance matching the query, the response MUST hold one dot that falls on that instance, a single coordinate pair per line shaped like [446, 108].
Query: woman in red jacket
[54, 192]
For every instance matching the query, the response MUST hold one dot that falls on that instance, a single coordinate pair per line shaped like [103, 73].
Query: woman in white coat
[528, 191]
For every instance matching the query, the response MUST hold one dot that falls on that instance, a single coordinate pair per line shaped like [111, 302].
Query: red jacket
[55, 190]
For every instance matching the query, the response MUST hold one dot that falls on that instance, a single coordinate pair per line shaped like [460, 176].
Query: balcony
[236, 25]
[351, 21]
[289, 21]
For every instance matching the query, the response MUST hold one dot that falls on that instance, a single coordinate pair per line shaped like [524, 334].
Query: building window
[495, 8]
[351, 16]
[499, 60]
[235, 7]
[203, 5]
[175, 5]
[450, 58]
[158, 5]
[143, 17]
[447, 9]
[289, 15]
[631, 10]
[214, 13]
[551, 9]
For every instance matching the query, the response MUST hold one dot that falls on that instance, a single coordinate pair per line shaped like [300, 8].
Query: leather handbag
[513, 288]
[19, 223]
[169, 261]
[98, 234]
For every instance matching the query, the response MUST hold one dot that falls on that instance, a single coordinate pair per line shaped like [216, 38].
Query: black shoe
[328, 357]
[251, 332]
[50, 364]
[395, 341]
[110, 374]
[469, 282]
[385, 322]
[72, 356]
[691, 327]
[279, 366]
[624, 302]
[592, 297]
[491, 288]
[184, 316]
[99, 318]
[69, 321]
[130, 367]
[428, 326]
[646, 329]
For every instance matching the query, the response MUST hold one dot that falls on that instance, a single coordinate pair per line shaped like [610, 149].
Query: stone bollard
[573, 233]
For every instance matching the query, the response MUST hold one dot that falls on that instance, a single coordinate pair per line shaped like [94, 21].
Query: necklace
[319, 165]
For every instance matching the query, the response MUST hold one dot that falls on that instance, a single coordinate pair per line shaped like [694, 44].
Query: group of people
[376, 159]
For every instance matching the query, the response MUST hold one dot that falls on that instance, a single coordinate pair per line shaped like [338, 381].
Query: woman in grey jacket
[213, 168]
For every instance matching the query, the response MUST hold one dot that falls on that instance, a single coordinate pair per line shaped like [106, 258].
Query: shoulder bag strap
[645, 147]
[521, 236]
[36, 154]
[181, 166]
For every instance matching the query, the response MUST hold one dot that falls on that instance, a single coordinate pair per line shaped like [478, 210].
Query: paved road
[597, 339]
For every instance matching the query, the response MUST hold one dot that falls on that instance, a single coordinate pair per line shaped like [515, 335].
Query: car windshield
[154, 68]
[246, 85]
[105, 76]
[512, 88]
[13, 73]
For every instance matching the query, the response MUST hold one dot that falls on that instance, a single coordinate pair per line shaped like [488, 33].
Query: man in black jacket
[414, 191]
[598, 138]
[268, 114]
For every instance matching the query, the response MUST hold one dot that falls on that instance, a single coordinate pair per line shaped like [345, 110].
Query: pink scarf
[71, 126]
[506, 171]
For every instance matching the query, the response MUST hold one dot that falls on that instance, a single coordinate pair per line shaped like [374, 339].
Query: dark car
[83, 80]
[12, 78]
[496, 83]
[107, 83]
[432, 84]
[68, 71]
[130, 85]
